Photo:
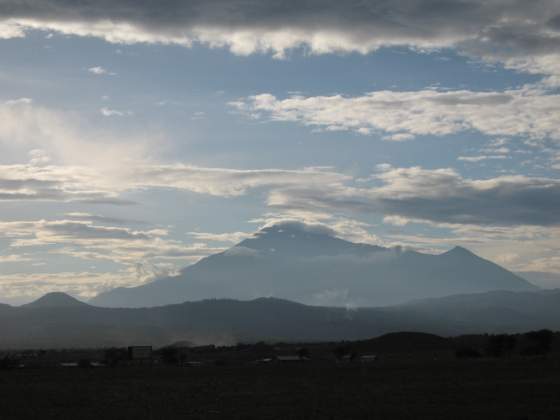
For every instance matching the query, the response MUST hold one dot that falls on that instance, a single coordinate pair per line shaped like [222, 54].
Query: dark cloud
[438, 196]
[432, 15]
[482, 99]
[323, 25]
[554, 23]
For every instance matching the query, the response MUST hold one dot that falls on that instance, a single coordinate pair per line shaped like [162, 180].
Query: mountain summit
[309, 264]
[292, 239]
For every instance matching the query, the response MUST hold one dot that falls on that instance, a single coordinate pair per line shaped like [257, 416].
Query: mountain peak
[302, 240]
[55, 300]
[459, 251]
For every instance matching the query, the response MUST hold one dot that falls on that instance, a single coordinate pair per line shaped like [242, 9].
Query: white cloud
[24, 287]
[529, 112]
[228, 182]
[231, 237]
[64, 136]
[108, 112]
[480, 158]
[142, 254]
[101, 71]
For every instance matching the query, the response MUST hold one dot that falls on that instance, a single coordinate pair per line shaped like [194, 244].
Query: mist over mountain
[308, 264]
[544, 280]
[497, 311]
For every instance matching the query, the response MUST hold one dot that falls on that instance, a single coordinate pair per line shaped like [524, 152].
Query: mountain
[55, 300]
[204, 322]
[497, 311]
[310, 265]
[224, 321]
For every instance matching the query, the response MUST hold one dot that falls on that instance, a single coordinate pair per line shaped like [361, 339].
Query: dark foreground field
[460, 389]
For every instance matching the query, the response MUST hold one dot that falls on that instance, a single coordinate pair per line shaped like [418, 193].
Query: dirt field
[470, 389]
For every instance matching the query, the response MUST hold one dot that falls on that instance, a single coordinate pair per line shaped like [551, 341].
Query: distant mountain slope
[543, 280]
[497, 311]
[209, 321]
[309, 265]
[230, 321]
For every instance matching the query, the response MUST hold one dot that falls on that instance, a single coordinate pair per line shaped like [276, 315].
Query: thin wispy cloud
[100, 71]
[109, 112]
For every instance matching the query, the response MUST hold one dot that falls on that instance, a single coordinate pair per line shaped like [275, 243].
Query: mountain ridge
[228, 321]
[308, 264]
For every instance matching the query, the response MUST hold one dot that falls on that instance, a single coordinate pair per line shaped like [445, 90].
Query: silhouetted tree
[303, 353]
[339, 352]
[170, 356]
[8, 362]
[84, 363]
[114, 356]
[540, 342]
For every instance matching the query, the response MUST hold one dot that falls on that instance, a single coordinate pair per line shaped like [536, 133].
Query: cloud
[231, 237]
[24, 287]
[144, 254]
[522, 35]
[108, 112]
[320, 222]
[100, 219]
[228, 182]
[14, 258]
[65, 137]
[25, 182]
[530, 112]
[436, 196]
[480, 158]
[29, 182]
[100, 71]
[71, 160]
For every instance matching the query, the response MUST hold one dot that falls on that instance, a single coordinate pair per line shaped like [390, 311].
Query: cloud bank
[522, 35]
[528, 112]
[440, 196]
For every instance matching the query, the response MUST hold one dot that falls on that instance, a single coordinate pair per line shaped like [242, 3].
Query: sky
[137, 137]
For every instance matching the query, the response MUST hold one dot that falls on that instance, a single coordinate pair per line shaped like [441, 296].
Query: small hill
[55, 300]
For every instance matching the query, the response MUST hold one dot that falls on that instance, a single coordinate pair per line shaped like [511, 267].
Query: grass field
[447, 389]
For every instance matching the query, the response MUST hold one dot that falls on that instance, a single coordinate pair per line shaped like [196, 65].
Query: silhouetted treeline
[401, 346]
[533, 343]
